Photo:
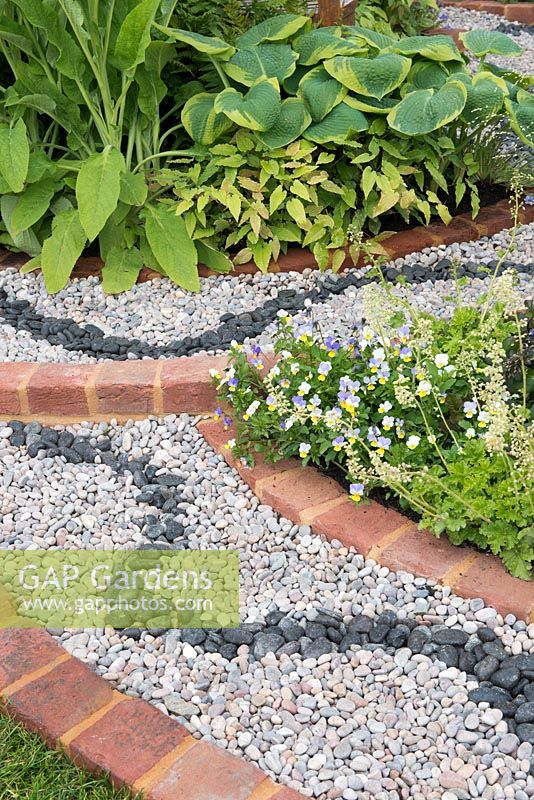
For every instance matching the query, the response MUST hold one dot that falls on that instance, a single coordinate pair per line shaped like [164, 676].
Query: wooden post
[329, 11]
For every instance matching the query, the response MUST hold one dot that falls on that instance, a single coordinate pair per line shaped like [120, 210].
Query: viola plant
[414, 404]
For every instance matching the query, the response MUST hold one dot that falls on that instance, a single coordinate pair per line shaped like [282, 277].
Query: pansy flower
[441, 360]
[424, 389]
[270, 402]
[412, 442]
[226, 422]
[356, 491]
[406, 354]
[304, 388]
[470, 433]
[399, 428]
[323, 370]
[352, 435]
[372, 435]
[233, 384]
[370, 383]
[404, 333]
[383, 373]
[383, 445]
[338, 443]
[483, 419]
[218, 413]
[384, 407]
[304, 449]
[298, 401]
[285, 383]
[332, 346]
[230, 444]
[388, 422]
[470, 408]
[253, 407]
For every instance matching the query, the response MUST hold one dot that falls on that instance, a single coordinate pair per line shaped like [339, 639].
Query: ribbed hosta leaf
[372, 77]
[275, 29]
[317, 45]
[339, 126]
[427, 110]
[257, 110]
[436, 48]
[485, 96]
[293, 119]
[203, 124]
[371, 104]
[522, 117]
[210, 45]
[378, 40]
[426, 75]
[321, 92]
[264, 61]
[481, 43]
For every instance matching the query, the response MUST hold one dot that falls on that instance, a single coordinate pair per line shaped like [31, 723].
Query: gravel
[163, 315]
[374, 722]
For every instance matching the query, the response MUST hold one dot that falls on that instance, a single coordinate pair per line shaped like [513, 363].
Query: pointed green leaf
[172, 246]
[481, 42]
[14, 155]
[210, 45]
[338, 126]
[33, 204]
[257, 110]
[121, 269]
[212, 258]
[133, 189]
[321, 92]
[522, 120]
[372, 77]
[203, 124]
[134, 35]
[319, 44]
[436, 48]
[293, 119]
[27, 241]
[62, 250]
[427, 110]
[65, 55]
[275, 29]
[97, 189]
[264, 61]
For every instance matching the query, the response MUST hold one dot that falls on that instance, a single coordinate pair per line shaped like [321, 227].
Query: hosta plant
[81, 136]
[408, 402]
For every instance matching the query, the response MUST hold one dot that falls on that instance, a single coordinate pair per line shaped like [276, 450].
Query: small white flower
[424, 388]
[304, 449]
[470, 433]
[230, 444]
[304, 388]
[412, 442]
[441, 360]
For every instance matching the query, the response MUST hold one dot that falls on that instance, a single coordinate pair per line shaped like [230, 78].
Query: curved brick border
[307, 497]
[489, 221]
[58, 697]
[514, 12]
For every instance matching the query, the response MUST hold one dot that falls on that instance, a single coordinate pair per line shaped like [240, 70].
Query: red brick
[287, 794]
[206, 772]
[14, 260]
[406, 242]
[59, 389]
[359, 526]
[187, 385]
[292, 493]
[11, 376]
[487, 578]
[420, 552]
[23, 651]
[59, 700]
[263, 469]
[520, 12]
[127, 741]
[126, 387]
[492, 8]
[217, 437]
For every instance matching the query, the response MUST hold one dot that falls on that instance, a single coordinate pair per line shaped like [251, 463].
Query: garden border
[513, 12]
[489, 221]
[58, 697]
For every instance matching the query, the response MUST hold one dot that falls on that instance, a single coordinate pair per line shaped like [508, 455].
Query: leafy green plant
[415, 404]
[81, 136]
[407, 17]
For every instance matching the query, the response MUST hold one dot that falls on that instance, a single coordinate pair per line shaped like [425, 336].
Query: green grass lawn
[30, 771]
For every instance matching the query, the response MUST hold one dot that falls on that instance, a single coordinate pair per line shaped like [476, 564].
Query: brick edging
[513, 12]
[57, 696]
[490, 220]
[306, 496]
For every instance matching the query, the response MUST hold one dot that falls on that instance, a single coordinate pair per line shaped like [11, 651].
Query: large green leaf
[485, 96]
[14, 155]
[317, 45]
[436, 48]
[27, 241]
[14, 34]
[426, 75]
[203, 124]
[264, 61]
[212, 258]
[32, 204]
[152, 89]
[275, 29]
[377, 40]
[481, 42]
[293, 119]
[338, 126]
[210, 45]
[97, 189]
[133, 189]
[121, 269]
[172, 246]
[427, 110]
[64, 55]
[321, 92]
[522, 118]
[258, 110]
[371, 77]
[517, 79]
[134, 35]
[62, 249]
[383, 106]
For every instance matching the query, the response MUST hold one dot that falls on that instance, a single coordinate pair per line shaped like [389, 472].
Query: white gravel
[356, 726]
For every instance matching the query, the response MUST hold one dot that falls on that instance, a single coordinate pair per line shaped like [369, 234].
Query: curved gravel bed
[379, 721]
[167, 323]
